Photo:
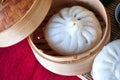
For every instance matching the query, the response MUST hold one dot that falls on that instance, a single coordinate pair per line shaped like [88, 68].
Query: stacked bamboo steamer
[19, 18]
[25, 16]
[75, 64]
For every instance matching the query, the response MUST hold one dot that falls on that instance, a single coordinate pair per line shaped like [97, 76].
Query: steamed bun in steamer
[73, 30]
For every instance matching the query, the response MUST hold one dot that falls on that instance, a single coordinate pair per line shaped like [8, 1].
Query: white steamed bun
[106, 65]
[73, 30]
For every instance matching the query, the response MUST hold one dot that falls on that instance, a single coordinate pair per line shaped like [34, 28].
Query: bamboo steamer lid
[74, 64]
[19, 18]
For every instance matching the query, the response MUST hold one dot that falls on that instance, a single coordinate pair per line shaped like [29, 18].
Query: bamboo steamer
[74, 64]
[19, 18]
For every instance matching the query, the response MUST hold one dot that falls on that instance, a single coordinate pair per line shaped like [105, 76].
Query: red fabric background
[18, 63]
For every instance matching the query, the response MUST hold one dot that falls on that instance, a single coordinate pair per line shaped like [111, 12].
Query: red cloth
[19, 63]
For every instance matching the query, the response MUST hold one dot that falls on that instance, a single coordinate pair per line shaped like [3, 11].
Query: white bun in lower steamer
[73, 30]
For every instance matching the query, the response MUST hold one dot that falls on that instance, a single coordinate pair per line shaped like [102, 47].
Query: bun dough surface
[73, 30]
[106, 65]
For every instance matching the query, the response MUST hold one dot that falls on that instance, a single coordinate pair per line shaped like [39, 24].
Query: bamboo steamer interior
[74, 64]
[19, 18]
